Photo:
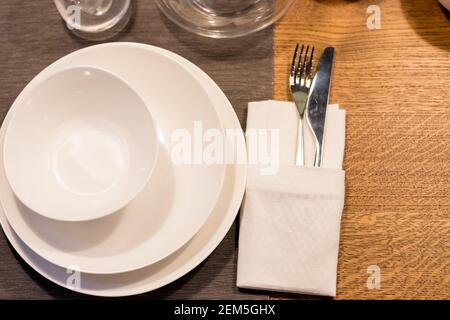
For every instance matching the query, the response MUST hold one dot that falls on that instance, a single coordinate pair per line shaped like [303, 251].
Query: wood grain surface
[395, 85]
[32, 36]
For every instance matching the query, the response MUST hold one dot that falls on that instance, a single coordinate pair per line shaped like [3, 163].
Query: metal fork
[300, 82]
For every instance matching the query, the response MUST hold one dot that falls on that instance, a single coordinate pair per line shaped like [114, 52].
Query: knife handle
[318, 156]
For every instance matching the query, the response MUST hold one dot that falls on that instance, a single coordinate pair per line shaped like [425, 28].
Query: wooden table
[394, 84]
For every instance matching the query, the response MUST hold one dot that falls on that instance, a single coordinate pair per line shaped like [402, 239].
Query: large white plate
[174, 204]
[200, 246]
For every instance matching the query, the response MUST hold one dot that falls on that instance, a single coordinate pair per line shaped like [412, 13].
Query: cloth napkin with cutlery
[290, 220]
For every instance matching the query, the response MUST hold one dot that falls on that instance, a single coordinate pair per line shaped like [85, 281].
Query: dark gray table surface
[32, 35]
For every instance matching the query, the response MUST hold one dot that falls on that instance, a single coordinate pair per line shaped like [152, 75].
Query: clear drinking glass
[95, 19]
[224, 18]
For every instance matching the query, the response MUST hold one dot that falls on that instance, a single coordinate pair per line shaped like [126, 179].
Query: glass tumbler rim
[232, 31]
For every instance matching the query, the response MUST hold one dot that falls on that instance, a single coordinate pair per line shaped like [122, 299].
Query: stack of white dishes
[88, 182]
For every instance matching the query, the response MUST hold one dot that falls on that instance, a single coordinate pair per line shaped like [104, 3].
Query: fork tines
[302, 66]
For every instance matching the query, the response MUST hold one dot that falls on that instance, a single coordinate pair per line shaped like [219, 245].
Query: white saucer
[200, 246]
[174, 204]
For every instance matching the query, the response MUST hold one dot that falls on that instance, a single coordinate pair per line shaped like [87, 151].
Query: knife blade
[318, 101]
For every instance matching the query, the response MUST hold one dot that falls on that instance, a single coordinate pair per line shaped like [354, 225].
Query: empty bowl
[81, 145]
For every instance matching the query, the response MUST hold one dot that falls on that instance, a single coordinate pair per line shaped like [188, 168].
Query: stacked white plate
[176, 219]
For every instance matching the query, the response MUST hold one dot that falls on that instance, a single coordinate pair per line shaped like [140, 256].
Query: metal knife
[318, 101]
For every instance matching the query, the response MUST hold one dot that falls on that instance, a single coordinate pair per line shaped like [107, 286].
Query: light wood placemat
[394, 83]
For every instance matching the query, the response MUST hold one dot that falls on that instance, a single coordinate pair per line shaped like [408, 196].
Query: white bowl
[81, 145]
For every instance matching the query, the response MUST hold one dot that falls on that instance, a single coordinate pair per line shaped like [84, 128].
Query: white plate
[174, 204]
[445, 3]
[199, 247]
[80, 146]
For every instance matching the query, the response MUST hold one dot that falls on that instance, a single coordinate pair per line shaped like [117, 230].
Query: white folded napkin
[290, 221]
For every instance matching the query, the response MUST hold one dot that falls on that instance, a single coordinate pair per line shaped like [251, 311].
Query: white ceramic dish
[445, 3]
[81, 145]
[174, 204]
[202, 244]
